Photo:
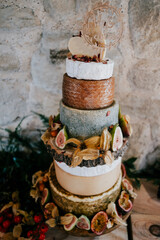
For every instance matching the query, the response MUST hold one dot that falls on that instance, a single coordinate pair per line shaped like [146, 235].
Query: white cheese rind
[89, 171]
[90, 70]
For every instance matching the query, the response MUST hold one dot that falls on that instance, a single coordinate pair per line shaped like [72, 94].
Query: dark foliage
[19, 160]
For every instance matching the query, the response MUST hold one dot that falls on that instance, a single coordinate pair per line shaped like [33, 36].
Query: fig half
[83, 223]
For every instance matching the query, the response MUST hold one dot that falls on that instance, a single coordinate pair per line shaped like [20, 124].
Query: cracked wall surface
[33, 46]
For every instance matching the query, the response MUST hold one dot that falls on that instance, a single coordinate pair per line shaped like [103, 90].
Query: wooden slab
[146, 212]
[141, 224]
[146, 201]
[118, 234]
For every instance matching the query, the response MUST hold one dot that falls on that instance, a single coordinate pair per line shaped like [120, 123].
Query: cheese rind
[87, 123]
[89, 70]
[89, 171]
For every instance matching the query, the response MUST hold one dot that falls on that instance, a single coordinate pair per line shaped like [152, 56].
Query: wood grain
[141, 224]
[146, 201]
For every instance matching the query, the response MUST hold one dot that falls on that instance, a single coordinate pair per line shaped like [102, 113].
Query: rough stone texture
[31, 80]
[8, 59]
[13, 99]
[144, 20]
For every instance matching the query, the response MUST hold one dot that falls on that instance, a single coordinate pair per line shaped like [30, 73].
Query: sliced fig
[99, 222]
[49, 207]
[124, 123]
[70, 226]
[117, 138]
[61, 138]
[125, 204]
[123, 170]
[83, 223]
[45, 196]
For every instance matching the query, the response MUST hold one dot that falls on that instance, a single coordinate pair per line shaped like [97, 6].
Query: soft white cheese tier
[90, 70]
[89, 171]
[88, 185]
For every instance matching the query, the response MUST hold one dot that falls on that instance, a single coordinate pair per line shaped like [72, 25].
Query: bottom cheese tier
[87, 205]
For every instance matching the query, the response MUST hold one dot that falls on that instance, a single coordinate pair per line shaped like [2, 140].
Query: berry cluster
[38, 233]
[8, 220]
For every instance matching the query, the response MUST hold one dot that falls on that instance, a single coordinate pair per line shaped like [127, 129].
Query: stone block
[47, 75]
[145, 75]
[55, 40]
[62, 9]
[140, 142]
[8, 59]
[13, 98]
[26, 37]
[144, 24]
[14, 18]
[140, 104]
[44, 102]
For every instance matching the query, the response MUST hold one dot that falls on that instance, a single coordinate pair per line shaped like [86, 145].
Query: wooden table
[146, 212]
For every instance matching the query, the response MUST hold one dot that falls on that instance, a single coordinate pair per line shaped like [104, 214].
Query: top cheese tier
[89, 70]
[88, 85]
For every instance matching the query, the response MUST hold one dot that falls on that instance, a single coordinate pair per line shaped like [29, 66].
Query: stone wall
[31, 81]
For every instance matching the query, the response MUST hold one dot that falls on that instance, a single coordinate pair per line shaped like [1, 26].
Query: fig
[117, 138]
[49, 207]
[125, 204]
[99, 222]
[83, 223]
[61, 138]
[45, 196]
[124, 123]
[70, 226]
[123, 170]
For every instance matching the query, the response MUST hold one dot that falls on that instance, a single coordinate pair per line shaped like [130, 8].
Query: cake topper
[103, 22]
[102, 29]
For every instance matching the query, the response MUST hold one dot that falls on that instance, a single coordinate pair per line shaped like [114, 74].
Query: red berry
[18, 219]
[29, 233]
[6, 224]
[42, 236]
[38, 218]
[1, 219]
[44, 228]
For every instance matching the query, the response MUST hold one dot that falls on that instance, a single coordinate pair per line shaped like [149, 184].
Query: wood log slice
[87, 94]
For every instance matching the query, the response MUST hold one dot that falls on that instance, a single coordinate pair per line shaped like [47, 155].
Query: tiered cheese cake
[86, 140]
[89, 136]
